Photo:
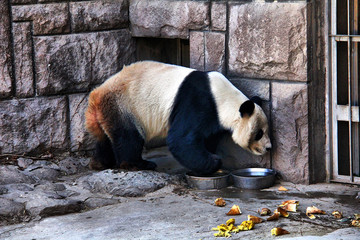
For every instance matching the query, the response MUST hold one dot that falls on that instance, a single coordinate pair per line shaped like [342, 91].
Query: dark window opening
[174, 51]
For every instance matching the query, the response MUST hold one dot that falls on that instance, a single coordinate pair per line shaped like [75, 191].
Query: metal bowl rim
[226, 175]
[267, 171]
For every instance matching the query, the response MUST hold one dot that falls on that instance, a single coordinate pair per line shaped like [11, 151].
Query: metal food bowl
[219, 179]
[253, 178]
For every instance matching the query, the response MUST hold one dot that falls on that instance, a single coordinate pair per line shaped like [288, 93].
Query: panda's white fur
[146, 91]
[228, 99]
[150, 89]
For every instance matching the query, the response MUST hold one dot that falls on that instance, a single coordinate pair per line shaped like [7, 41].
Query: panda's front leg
[189, 149]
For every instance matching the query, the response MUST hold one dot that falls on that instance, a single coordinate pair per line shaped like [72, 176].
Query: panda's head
[251, 131]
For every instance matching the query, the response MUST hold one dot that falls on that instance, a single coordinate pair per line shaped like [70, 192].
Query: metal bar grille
[344, 38]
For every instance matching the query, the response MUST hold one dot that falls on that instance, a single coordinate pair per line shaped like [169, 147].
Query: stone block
[22, 1]
[167, 19]
[24, 77]
[268, 40]
[197, 51]
[218, 16]
[5, 52]
[33, 125]
[71, 63]
[99, 15]
[79, 137]
[253, 88]
[290, 131]
[47, 18]
[214, 51]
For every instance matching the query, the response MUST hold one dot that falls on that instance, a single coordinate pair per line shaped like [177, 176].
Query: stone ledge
[167, 19]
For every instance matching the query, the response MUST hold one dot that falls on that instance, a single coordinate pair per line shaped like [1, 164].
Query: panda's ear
[247, 108]
[257, 100]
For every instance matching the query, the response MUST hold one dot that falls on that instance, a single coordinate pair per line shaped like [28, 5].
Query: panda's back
[148, 89]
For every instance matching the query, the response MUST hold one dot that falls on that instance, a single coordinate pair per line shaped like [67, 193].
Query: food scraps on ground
[246, 225]
[281, 188]
[224, 230]
[264, 211]
[282, 212]
[355, 223]
[290, 207]
[230, 221]
[220, 202]
[288, 202]
[337, 214]
[278, 231]
[235, 210]
[273, 217]
[357, 216]
[255, 219]
[310, 211]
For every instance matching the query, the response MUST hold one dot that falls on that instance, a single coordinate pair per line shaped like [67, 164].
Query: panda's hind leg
[104, 157]
[127, 145]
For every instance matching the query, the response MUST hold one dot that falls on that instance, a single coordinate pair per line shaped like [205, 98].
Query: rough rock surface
[99, 15]
[268, 40]
[126, 184]
[253, 88]
[215, 51]
[33, 125]
[80, 139]
[169, 19]
[5, 56]
[46, 18]
[207, 51]
[178, 213]
[75, 62]
[36, 189]
[218, 16]
[23, 59]
[290, 131]
[197, 56]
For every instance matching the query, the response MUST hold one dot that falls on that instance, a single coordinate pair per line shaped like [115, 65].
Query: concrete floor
[179, 213]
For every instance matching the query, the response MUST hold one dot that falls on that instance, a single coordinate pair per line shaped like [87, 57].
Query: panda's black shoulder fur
[194, 120]
[195, 106]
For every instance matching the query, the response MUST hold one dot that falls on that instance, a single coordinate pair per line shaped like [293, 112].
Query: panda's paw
[217, 163]
[146, 165]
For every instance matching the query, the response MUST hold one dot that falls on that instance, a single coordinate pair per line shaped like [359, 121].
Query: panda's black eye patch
[259, 135]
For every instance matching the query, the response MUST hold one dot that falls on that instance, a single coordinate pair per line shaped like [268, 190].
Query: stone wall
[53, 52]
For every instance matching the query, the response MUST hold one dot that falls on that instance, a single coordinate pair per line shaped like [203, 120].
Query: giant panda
[150, 100]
